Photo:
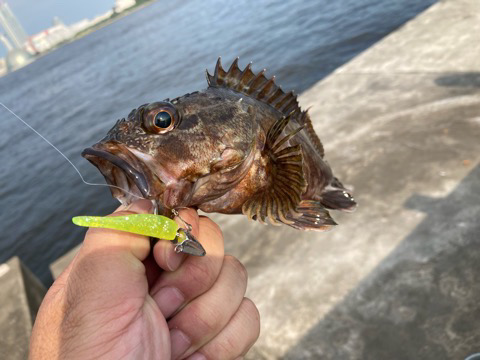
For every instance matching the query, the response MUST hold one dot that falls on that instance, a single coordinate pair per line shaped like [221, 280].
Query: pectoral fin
[278, 201]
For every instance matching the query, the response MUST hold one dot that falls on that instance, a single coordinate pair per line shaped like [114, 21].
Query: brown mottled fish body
[240, 146]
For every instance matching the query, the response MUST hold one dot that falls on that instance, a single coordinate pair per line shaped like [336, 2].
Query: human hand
[115, 300]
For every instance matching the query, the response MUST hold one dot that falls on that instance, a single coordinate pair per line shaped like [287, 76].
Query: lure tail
[152, 225]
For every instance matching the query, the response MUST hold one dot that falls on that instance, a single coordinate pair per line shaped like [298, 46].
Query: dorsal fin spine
[234, 67]
[277, 104]
[264, 90]
[290, 105]
[210, 78]
[233, 73]
[278, 92]
[283, 100]
[219, 72]
[257, 82]
[246, 77]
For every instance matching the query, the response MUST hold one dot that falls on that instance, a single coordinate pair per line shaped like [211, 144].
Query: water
[74, 95]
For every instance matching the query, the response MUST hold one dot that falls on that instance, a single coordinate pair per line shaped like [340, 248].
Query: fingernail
[169, 299]
[197, 356]
[141, 206]
[179, 343]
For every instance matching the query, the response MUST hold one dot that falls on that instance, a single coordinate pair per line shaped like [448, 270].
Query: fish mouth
[128, 177]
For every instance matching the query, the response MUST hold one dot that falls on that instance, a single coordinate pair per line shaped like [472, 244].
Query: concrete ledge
[20, 299]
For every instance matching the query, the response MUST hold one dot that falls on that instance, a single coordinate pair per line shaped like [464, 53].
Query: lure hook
[185, 242]
[176, 213]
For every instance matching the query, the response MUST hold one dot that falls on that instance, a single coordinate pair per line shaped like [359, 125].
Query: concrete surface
[20, 299]
[397, 279]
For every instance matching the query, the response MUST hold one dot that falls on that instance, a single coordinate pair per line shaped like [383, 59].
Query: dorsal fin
[265, 90]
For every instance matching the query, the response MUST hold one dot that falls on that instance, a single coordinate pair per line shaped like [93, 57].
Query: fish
[240, 146]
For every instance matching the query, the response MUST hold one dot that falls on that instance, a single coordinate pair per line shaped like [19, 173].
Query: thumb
[109, 263]
[102, 239]
[139, 207]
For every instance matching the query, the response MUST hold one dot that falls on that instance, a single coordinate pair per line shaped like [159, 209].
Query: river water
[74, 94]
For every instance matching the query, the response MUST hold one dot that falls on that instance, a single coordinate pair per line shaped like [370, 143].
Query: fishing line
[64, 156]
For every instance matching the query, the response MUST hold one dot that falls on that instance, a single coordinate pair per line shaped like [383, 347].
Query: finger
[236, 338]
[196, 274]
[203, 318]
[138, 245]
[109, 263]
[164, 251]
[135, 208]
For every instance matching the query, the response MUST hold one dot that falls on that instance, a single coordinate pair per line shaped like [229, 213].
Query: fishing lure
[152, 225]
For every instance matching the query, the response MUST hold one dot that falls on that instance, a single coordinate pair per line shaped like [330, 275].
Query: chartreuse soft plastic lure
[152, 225]
[155, 226]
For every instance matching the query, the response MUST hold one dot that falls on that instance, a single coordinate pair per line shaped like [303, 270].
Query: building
[79, 26]
[12, 26]
[4, 40]
[14, 40]
[49, 38]
[16, 57]
[22, 48]
[122, 5]
[102, 17]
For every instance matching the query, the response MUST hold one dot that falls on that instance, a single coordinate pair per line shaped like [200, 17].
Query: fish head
[178, 153]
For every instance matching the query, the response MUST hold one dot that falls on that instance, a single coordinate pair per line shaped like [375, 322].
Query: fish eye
[163, 119]
[160, 117]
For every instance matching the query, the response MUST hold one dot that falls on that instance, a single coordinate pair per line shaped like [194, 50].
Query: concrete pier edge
[20, 299]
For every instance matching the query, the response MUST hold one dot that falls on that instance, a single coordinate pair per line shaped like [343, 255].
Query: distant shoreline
[110, 20]
[88, 31]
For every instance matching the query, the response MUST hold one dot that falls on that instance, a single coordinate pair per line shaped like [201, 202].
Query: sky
[36, 15]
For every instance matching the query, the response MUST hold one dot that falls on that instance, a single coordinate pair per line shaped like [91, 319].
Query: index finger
[164, 251]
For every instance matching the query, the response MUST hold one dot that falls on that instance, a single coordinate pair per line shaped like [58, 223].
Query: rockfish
[242, 145]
